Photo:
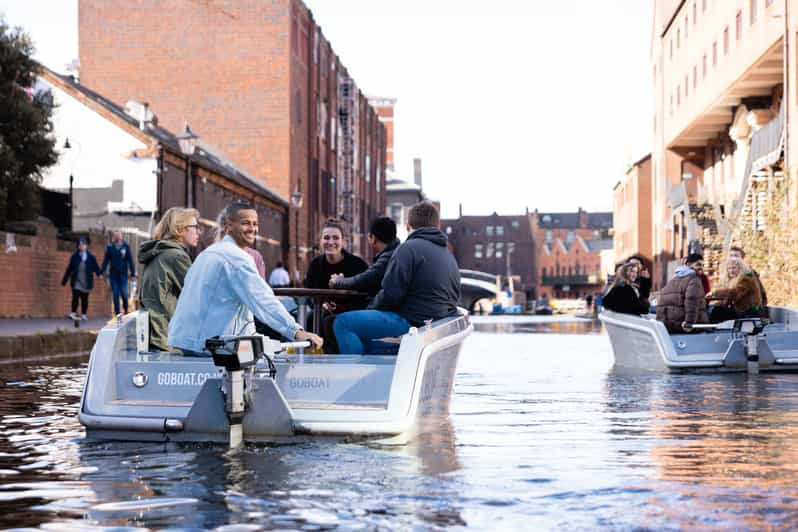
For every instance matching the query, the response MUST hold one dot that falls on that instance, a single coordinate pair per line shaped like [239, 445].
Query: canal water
[544, 434]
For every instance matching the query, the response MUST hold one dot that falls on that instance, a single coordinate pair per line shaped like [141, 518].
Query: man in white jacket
[223, 290]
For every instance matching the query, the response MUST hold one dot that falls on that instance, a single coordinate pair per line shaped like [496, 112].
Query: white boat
[243, 393]
[750, 344]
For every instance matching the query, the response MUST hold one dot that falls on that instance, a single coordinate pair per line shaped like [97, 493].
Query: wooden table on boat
[318, 295]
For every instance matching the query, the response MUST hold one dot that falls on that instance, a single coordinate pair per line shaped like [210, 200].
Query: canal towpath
[24, 340]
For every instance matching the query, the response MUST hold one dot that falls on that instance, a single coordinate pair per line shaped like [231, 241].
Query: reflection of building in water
[727, 433]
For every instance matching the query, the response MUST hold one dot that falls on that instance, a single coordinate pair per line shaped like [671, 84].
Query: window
[515, 224]
[448, 229]
[686, 85]
[544, 271]
[738, 25]
[726, 41]
[489, 230]
[499, 249]
[549, 236]
[703, 5]
[768, 3]
[298, 107]
[510, 247]
[489, 253]
[714, 54]
[754, 5]
[671, 44]
[499, 230]
[678, 38]
[695, 13]
[671, 107]
[704, 67]
[477, 251]
[569, 237]
[695, 76]
[685, 28]
[678, 95]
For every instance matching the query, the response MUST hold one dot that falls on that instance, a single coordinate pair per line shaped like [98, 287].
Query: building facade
[631, 212]
[725, 98]
[126, 170]
[568, 250]
[496, 244]
[267, 90]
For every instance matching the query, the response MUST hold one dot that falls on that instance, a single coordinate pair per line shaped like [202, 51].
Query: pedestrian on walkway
[80, 272]
[279, 277]
[122, 268]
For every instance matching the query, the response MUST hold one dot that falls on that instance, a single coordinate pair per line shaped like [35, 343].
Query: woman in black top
[624, 294]
[334, 259]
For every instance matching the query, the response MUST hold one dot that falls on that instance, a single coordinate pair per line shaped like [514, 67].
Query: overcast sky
[510, 103]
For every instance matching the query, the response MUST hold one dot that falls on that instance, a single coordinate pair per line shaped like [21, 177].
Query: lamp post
[188, 143]
[296, 202]
[73, 157]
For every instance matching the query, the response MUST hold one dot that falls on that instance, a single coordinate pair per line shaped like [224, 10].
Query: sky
[510, 104]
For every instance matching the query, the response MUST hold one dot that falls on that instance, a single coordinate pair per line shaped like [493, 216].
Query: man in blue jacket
[421, 283]
[118, 255]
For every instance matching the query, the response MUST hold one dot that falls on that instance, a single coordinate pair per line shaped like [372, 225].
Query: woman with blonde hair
[624, 294]
[741, 296]
[166, 261]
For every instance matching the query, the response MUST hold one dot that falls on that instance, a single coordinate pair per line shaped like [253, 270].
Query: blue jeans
[119, 288]
[355, 330]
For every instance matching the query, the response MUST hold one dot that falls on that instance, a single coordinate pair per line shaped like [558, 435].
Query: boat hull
[643, 343]
[341, 396]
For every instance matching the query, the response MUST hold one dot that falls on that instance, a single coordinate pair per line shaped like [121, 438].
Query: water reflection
[544, 433]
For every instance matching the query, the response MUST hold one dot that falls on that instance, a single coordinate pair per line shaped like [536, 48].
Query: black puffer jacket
[422, 281]
[370, 280]
[625, 299]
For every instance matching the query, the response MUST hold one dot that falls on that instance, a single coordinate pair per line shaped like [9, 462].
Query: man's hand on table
[316, 340]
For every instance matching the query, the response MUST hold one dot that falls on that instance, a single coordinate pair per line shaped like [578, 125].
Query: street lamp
[296, 202]
[73, 157]
[188, 143]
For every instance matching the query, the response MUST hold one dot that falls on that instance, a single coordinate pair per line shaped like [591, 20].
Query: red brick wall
[222, 65]
[30, 278]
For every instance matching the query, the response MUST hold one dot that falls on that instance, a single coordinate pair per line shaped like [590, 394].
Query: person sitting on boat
[681, 302]
[223, 290]
[737, 251]
[165, 262]
[334, 260]
[643, 276]
[421, 283]
[383, 241]
[740, 298]
[624, 295]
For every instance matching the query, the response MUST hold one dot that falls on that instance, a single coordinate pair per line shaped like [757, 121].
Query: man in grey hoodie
[421, 283]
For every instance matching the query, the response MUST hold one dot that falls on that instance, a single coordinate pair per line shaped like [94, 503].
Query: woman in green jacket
[165, 263]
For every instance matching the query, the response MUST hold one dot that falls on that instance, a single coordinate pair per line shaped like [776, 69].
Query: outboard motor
[238, 355]
[749, 329]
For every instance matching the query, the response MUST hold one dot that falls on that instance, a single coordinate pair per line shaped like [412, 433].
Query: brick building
[265, 87]
[568, 250]
[384, 108]
[497, 244]
[128, 169]
[632, 212]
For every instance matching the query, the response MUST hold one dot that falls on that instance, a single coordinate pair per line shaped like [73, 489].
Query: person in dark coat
[120, 259]
[80, 273]
[422, 283]
[334, 260]
[624, 295]
[383, 241]
[643, 276]
[681, 302]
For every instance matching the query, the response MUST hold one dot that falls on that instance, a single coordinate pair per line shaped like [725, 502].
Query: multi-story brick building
[265, 87]
[497, 244]
[631, 212]
[723, 123]
[568, 250]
